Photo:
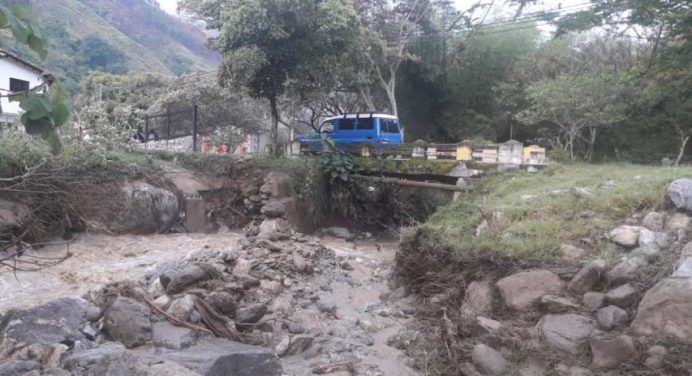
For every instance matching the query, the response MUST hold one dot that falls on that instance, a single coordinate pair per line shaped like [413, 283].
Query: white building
[16, 75]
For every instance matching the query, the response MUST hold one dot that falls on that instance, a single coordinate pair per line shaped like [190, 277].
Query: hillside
[116, 37]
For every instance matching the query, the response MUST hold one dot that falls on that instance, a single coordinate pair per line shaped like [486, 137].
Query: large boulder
[128, 321]
[273, 209]
[172, 337]
[14, 216]
[679, 192]
[18, 367]
[175, 280]
[626, 270]
[522, 290]
[611, 317]
[567, 332]
[222, 357]
[587, 277]
[41, 327]
[144, 209]
[651, 243]
[666, 310]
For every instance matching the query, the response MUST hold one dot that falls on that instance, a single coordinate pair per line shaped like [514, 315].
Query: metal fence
[174, 129]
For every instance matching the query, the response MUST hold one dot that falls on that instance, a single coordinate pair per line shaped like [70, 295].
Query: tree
[271, 46]
[44, 110]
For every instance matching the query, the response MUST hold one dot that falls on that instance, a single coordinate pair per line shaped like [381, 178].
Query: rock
[176, 280]
[182, 307]
[654, 221]
[679, 192]
[581, 192]
[128, 321]
[14, 216]
[488, 360]
[594, 300]
[557, 304]
[684, 270]
[54, 322]
[566, 331]
[79, 361]
[611, 317]
[326, 307]
[395, 295]
[277, 185]
[300, 264]
[156, 289]
[272, 287]
[486, 325]
[172, 337]
[678, 221]
[250, 314]
[402, 340]
[651, 243]
[162, 301]
[479, 297]
[271, 226]
[339, 232]
[656, 356]
[572, 252]
[665, 310]
[296, 328]
[273, 209]
[622, 296]
[522, 290]
[587, 277]
[222, 357]
[144, 209]
[626, 236]
[563, 370]
[626, 270]
[299, 344]
[611, 352]
[14, 368]
[224, 302]
[282, 346]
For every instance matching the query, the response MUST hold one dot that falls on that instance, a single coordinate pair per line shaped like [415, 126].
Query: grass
[534, 222]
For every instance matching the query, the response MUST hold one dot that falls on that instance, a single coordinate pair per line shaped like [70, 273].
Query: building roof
[4, 53]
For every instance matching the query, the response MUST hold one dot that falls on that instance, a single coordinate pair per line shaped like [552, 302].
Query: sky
[169, 5]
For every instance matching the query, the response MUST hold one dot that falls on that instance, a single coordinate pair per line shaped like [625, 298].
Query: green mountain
[113, 36]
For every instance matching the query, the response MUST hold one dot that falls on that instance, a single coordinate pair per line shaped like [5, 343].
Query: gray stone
[273, 209]
[222, 357]
[654, 221]
[567, 332]
[622, 296]
[626, 236]
[666, 310]
[522, 290]
[281, 347]
[651, 243]
[486, 325]
[611, 317]
[479, 297]
[223, 301]
[250, 314]
[396, 294]
[587, 277]
[326, 307]
[594, 300]
[572, 252]
[128, 321]
[679, 192]
[79, 361]
[626, 270]
[109, 360]
[557, 304]
[182, 307]
[678, 221]
[144, 209]
[277, 185]
[177, 279]
[270, 227]
[54, 322]
[296, 328]
[299, 344]
[172, 337]
[14, 217]
[611, 352]
[489, 360]
[339, 232]
[684, 270]
[14, 368]
[656, 356]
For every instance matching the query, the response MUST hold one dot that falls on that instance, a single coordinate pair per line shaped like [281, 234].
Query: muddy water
[99, 259]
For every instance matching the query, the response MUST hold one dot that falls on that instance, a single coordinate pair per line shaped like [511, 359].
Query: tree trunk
[683, 143]
[592, 142]
[274, 131]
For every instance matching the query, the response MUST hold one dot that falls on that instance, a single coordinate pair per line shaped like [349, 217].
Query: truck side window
[365, 124]
[346, 124]
[389, 126]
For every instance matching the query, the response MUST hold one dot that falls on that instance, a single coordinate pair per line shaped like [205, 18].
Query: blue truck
[357, 128]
